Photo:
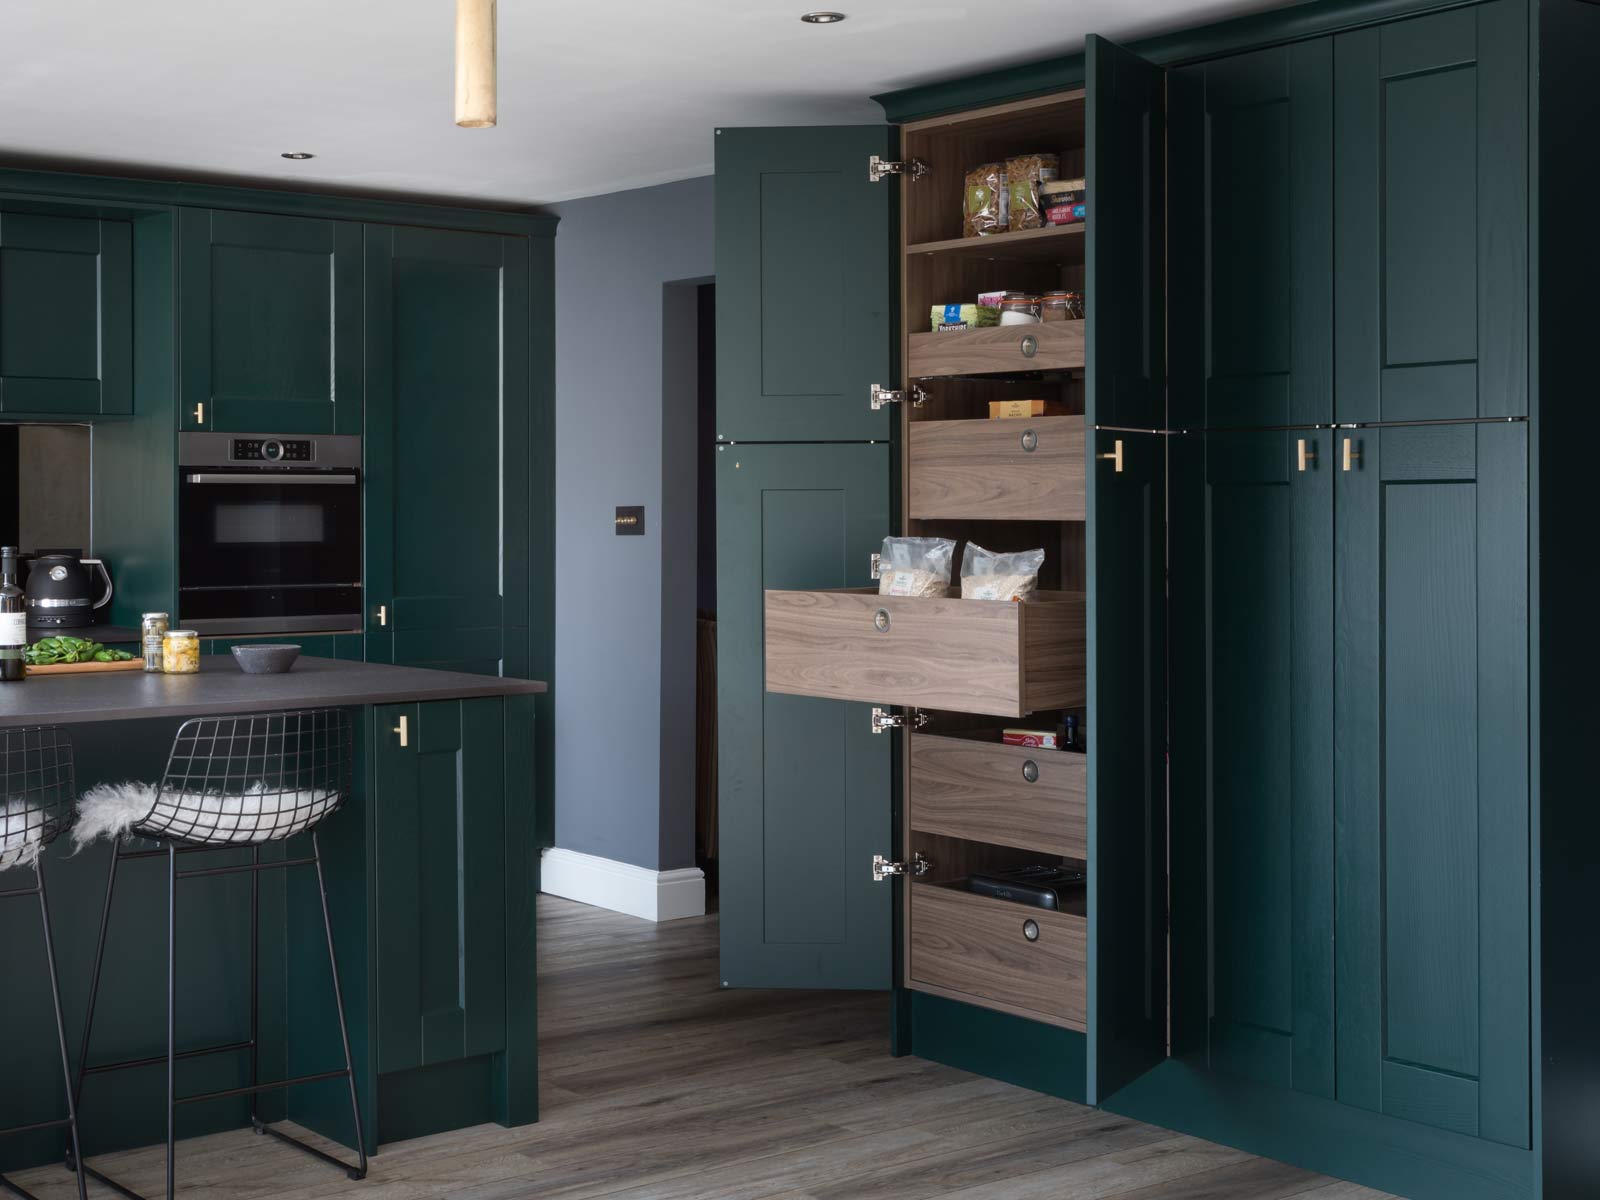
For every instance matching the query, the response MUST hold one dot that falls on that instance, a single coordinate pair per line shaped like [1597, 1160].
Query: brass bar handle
[1306, 454]
[1115, 456]
[404, 730]
[1351, 454]
[383, 614]
[200, 413]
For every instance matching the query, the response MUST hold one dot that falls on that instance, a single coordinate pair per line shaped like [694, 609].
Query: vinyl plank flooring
[659, 1084]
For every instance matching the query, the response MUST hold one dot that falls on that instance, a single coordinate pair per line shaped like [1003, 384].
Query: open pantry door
[1125, 405]
[805, 254]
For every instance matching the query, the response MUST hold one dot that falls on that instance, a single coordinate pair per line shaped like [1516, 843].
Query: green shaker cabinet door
[1251, 239]
[269, 323]
[1126, 255]
[805, 255]
[1431, 699]
[1252, 777]
[66, 316]
[1431, 216]
[805, 783]
[446, 448]
[438, 813]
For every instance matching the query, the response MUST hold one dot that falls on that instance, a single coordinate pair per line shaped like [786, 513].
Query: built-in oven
[269, 533]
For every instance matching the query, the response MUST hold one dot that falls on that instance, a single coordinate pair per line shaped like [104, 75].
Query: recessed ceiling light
[297, 155]
[822, 18]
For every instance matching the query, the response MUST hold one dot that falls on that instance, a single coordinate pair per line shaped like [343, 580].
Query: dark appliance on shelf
[1040, 886]
[269, 533]
[62, 591]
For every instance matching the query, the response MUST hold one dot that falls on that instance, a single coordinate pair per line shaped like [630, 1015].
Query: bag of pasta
[986, 575]
[985, 201]
[909, 566]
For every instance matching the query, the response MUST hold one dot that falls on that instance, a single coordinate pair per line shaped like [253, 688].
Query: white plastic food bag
[986, 575]
[909, 566]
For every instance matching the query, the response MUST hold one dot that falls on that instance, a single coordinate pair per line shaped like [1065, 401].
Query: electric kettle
[60, 589]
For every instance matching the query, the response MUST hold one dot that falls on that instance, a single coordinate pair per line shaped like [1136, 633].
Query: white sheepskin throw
[112, 810]
[21, 834]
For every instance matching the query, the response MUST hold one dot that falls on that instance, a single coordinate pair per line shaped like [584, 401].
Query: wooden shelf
[999, 349]
[1053, 243]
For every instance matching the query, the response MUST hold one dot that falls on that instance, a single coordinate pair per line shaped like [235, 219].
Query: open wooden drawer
[985, 791]
[977, 656]
[1051, 346]
[1020, 959]
[1029, 469]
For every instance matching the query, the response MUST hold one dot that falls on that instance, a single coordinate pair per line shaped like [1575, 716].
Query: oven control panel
[286, 450]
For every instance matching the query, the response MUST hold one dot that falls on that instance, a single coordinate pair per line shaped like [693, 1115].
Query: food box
[1034, 739]
[954, 318]
[1004, 409]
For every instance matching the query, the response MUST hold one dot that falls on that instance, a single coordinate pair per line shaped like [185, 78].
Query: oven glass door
[258, 545]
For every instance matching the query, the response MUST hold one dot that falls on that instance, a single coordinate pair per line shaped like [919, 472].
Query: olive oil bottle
[13, 620]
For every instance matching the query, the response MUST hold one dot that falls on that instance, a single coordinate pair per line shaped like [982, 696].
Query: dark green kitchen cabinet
[66, 316]
[446, 449]
[1431, 231]
[439, 812]
[1251, 139]
[1252, 528]
[1431, 695]
[269, 323]
[805, 240]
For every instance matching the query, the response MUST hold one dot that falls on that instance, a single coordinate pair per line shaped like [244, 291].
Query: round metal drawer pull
[1030, 440]
[881, 620]
[1030, 771]
[1030, 345]
[1030, 929]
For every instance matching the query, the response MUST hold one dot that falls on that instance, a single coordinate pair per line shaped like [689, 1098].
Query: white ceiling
[595, 96]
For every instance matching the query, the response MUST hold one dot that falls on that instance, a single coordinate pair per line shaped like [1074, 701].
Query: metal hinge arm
[881, 396]
[883, 719]
[883, 869]
[877, 168]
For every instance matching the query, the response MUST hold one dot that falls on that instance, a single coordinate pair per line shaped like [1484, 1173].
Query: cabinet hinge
[882, 395]
[875, 563]
[882, 868]
[877, 168]
[883, 719]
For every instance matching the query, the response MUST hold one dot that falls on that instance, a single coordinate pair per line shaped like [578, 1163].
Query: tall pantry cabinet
[1331, 628]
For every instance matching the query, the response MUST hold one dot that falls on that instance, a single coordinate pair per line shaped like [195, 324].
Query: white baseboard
[623, 887]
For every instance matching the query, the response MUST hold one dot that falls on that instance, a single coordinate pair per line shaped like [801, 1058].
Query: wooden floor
[658, 1083]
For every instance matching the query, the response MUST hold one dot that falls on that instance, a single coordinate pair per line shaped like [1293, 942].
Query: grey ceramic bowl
[261, 658]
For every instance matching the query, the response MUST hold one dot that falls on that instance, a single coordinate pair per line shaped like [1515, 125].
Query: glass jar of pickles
[180, 652]
[153, 629]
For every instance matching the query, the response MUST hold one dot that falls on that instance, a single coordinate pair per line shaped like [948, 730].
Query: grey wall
[624, 776]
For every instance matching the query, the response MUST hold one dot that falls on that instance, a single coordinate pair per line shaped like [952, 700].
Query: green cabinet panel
[1431, 704]
[1126, 251]
[1431, 216]
[1252, 781]
[805, 258]
[1251, 240]
[66, 316]
[805, 784]
[446, 448]
[439, 819]
[269, 323]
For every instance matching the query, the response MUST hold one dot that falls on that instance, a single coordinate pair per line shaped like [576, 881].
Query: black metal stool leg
[61, 1034]
[172, 1020]
[338, 1000]
[74, 1159]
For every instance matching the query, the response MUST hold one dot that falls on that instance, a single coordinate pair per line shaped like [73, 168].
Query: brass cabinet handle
[404, 730]
[1350, 453]
[383, 614]
[1115, 456]
[1306, 454]
[200, 413]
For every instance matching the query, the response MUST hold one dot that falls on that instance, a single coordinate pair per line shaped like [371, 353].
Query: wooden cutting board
[132, 664]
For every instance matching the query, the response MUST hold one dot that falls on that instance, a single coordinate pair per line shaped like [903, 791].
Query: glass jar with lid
[1019, 309]
[180, 652]
[153, 630]
[1054, 306]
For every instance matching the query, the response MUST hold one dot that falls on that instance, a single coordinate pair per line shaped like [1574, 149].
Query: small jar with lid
[1019, 309]
[153, 628]
[180, 652]
[1054, 306]
[1076, 306]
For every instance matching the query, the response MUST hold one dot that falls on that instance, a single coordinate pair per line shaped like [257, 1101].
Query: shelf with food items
[1060, 244]
[997, 349]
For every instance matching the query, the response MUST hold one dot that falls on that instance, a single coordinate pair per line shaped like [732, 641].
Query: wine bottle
[13, 619]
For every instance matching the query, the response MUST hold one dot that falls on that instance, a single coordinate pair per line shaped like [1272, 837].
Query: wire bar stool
[232, 782]
[37, 790]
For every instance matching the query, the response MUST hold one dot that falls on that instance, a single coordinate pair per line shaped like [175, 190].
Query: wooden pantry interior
[1301, 589]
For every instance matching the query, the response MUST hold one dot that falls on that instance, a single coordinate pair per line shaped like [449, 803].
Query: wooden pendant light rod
[475, 63]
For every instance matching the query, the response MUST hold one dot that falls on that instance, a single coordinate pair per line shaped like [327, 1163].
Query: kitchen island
[432, 874]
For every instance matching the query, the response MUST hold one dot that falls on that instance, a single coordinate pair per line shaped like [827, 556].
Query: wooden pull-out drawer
[977, 656]
[1028, 469]
[1004, 795]
[972, 946]
[1052, 346]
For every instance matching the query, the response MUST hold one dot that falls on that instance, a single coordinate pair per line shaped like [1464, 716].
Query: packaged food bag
[986, 575]
[910, 566]
[1025, 175]
[985, 201]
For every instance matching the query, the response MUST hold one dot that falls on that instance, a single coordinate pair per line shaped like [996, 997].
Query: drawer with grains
[1019, 959]
[977, 656]
[1023, 469]
[1005, 795]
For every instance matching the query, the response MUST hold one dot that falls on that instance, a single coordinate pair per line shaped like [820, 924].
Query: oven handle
[271, 477]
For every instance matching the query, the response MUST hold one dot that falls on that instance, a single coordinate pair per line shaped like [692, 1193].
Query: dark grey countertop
[222, 688]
